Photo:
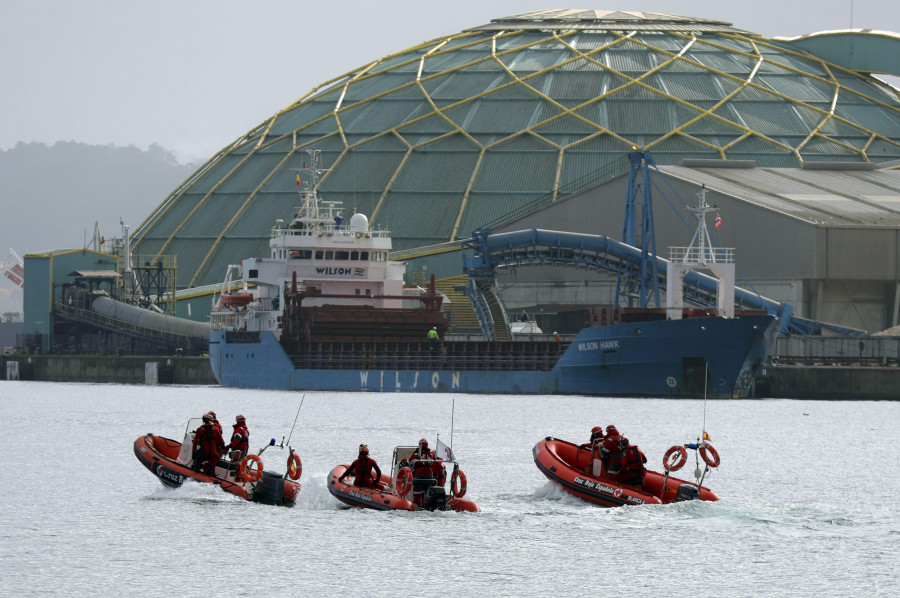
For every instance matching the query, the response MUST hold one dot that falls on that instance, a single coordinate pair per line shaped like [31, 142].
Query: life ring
[246, 472]
[295, 466]
[675, 458]
[458, 474]
[403, 483]
[710, 455]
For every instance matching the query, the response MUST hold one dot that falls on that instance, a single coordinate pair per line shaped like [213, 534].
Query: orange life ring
[295, 466]
[710, 455]
[403, 483]
[671, 464]
[458, 473]
[246, 472]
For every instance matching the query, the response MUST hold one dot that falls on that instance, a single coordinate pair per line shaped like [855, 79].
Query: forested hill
[51, 196]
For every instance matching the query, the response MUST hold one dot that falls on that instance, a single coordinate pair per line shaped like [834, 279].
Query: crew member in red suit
[611, 454]
[216, 421]
[596, 434]
[633, 469]
[425, 468]
[208, 446]
[240, 439]
[362, 467]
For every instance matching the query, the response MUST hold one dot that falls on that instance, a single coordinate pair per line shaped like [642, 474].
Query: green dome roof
[471, 128]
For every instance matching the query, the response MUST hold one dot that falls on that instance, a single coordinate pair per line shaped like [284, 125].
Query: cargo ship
[327, 310]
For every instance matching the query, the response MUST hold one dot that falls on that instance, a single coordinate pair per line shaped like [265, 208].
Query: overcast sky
[195, 75]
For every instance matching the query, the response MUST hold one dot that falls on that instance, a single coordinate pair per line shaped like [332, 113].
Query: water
[809, 499]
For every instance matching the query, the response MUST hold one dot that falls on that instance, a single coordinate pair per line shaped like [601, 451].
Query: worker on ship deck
[433, 338]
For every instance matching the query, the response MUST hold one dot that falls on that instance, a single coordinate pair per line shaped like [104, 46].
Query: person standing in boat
[240, 439]
[208, 446]
[216, 421]
[433, 338]
[363, 468]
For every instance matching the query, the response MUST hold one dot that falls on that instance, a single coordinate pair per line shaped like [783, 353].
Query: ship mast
[700, 255]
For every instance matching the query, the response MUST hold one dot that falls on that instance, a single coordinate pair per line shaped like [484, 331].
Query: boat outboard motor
[435, 499]
[269, 490]
[687, 492]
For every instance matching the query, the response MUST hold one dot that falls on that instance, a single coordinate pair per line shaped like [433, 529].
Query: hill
[51, 196]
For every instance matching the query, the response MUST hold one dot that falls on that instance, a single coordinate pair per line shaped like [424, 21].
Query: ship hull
[695, 357]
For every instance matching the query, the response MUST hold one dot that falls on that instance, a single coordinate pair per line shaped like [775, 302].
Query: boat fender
[403, 483]
[675, 458]
[248, 473]
[710, 455]
[295, 466]
[461, 476]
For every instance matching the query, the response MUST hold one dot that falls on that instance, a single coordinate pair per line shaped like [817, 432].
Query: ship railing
[328, 230]
[426, 360]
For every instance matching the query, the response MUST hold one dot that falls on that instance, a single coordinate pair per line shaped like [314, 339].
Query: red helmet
[423, 442]
[611, 430]
[213, 414]
[207, 417]
[240, 419]
[597, 430]
[364, 449]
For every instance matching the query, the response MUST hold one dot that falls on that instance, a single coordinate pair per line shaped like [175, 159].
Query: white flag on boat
[443, 451]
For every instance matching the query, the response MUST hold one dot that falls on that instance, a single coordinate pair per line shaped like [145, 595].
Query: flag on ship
[718, 220]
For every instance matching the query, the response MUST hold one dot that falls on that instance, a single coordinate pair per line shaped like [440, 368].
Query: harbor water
[809, 499]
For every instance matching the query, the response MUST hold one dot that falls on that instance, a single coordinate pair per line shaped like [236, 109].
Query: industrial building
[527, 121]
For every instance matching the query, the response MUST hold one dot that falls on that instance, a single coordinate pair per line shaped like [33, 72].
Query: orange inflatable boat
[170, 461]
[402, 491]
[571, 467]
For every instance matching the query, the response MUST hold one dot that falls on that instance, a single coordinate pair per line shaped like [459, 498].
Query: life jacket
[633, 460]
[209, 439]
[363, 470]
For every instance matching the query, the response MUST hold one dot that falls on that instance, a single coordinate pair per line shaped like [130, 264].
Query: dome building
[528, 121]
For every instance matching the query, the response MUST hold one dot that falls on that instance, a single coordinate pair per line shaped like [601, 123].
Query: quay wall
[130, 369]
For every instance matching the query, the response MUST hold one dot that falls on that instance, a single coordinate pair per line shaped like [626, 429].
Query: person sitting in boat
[208, 446]
[596, 435]
[433, 339]
[633, 470]
[362, 468]
[594, 444]
[611, 453]
[240, 439]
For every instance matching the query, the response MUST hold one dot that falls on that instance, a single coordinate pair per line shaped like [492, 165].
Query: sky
[194, 75]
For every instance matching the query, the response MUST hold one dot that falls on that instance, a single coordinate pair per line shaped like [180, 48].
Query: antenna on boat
[295, 419]
[452, 415]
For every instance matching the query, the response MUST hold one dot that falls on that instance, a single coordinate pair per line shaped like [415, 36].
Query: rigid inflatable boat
[171, 462]
[571, 467]
[402, 491]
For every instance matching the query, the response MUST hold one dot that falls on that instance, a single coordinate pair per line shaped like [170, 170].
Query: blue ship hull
[666, 358]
